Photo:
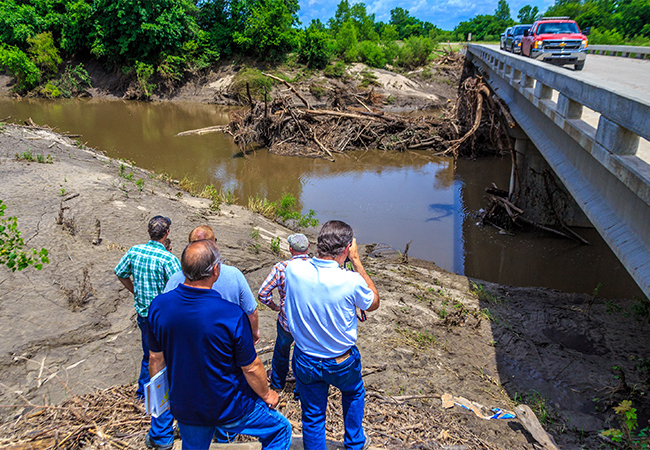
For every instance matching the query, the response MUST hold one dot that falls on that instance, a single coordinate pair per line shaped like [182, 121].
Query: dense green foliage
[156, 44]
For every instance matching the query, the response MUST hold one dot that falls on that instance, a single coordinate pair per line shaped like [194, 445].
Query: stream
[388, 197]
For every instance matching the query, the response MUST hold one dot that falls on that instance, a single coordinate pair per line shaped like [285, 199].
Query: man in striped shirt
[151, 265]
[299, 246]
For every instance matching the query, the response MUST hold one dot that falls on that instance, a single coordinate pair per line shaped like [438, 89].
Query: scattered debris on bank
[113, 418]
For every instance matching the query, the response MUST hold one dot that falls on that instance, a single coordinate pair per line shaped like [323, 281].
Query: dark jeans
[143, 324]
[280, 363]
[271, 427]
[162, 431]
[313, 379]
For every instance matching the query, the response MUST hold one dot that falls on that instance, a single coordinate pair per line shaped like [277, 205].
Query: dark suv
[513, 39]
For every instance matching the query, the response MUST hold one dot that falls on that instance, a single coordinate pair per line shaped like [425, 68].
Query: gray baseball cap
[298, 242]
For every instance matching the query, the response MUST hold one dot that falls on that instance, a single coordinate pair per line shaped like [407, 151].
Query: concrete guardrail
[565, 140]
[626, 51]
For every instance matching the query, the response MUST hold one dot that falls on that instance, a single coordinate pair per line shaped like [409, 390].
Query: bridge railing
[601, 167]
[623, 119]
[626, 51]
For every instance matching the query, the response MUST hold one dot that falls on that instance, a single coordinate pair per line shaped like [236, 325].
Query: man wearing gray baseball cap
[299, 246]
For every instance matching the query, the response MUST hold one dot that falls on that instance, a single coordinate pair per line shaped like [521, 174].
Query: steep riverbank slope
[70, 328]
[428, 87]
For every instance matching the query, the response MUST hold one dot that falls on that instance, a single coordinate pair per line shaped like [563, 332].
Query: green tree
[77, 25]
[268, 32]
[346, 41]
[125, 31]
[365, 23]
[502, 12]
[341, 16]
[314, 50]
[11, 246]
[528, 14]
[404, 24]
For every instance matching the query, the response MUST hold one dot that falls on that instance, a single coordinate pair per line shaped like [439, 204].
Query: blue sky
[446, 14]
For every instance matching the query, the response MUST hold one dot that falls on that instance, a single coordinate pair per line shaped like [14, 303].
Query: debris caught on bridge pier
[502, 214]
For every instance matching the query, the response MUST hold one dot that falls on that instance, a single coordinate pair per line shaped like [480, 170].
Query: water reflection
[388, 198]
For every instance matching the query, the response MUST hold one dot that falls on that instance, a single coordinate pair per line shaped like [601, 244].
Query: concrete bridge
[593, 130]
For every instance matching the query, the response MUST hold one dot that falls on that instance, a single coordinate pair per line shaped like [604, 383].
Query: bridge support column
[541, 194]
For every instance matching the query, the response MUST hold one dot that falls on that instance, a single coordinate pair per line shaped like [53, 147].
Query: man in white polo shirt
[320, 304]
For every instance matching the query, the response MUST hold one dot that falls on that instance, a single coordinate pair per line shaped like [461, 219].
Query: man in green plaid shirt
[151, 265]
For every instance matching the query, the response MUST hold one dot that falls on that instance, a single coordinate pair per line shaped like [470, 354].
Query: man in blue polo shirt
[320, 304]
[216, 378]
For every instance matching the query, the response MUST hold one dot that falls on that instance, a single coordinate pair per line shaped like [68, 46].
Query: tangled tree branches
[110, 418]
[113, 418]
[352, 121]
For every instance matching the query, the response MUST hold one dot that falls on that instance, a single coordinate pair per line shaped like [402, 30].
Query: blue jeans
[162, 427]
[313, 379]
[280, 363]
[271, 427]
[143, 324]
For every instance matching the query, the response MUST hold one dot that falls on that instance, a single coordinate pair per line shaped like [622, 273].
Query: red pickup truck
[557, 40]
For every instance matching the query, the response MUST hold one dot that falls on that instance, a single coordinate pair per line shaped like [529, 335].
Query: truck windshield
[557, 28]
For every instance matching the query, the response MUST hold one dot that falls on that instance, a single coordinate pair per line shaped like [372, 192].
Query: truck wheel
[579, 66]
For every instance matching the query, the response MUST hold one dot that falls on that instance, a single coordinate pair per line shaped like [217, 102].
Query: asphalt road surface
[624, 75]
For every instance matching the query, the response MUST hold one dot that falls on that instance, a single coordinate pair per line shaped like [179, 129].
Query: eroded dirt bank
[435, 332]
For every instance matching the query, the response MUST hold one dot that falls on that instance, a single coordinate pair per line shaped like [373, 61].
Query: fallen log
[206, 130]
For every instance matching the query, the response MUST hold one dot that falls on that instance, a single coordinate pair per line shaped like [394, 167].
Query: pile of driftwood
[113, 418]
[353, 120]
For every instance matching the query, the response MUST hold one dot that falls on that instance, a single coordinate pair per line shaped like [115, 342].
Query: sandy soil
[435, 332]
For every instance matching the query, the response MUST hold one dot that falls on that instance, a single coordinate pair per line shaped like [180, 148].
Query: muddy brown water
[389, 198]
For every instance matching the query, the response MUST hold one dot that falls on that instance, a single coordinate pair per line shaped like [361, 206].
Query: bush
[605, 37]
[171, 70]
[335, 70]
[43, 52]
[50, 91]
[73, 81]
[415, 52]
[11, 246]
[286, 211]
[372, 54]
[20, 66]
[256, 82]
[143, 73]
